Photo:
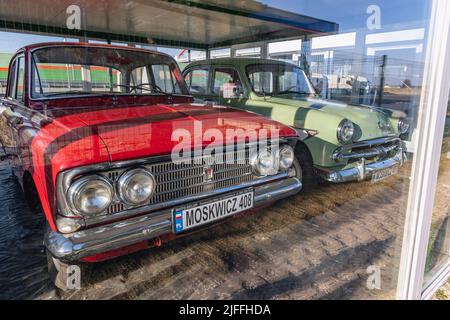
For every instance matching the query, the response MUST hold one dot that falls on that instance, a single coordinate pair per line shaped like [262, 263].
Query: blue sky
[10, 42]
[351, 14]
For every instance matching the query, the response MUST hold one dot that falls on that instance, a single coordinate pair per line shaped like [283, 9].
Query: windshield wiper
[67, 92]
[154, 88]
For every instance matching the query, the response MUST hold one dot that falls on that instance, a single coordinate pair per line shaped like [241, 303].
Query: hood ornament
[208, 173]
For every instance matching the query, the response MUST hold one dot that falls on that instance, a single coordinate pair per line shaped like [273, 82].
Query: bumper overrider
[96, 240]
[389, 152]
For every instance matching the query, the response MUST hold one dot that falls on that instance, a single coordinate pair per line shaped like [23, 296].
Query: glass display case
[363, 84]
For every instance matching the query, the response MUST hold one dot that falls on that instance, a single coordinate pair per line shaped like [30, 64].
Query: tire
[58, 270]
[32, 196]
[62, 274]
[304, 169]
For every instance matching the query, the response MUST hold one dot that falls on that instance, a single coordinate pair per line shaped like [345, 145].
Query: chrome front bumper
[117, 235]
[362, 170]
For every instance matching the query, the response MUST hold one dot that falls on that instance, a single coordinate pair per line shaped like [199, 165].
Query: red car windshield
[65, 70]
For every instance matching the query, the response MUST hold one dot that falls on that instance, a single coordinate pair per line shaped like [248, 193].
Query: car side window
[12, 80]
[227, 82]
[262, 81]
[20, 91]
[197, 81]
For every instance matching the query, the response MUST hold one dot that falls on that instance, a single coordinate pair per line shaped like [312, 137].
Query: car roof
[86, 44]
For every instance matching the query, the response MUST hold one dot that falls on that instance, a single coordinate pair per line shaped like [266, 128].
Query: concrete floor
[311, 246]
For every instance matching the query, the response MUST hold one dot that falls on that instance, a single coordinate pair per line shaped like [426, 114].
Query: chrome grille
[178, 180]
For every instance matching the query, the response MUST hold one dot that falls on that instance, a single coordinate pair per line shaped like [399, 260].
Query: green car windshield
[278, 79]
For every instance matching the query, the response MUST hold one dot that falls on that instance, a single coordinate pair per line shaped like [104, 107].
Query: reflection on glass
[439, 243]
[344, 90]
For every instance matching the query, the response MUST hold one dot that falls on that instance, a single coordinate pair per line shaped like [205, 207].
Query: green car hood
[311, 113]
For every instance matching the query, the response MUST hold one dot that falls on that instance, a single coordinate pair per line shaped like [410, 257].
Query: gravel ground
[310, 246]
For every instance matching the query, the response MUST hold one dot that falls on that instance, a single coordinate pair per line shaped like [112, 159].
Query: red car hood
[84, 136]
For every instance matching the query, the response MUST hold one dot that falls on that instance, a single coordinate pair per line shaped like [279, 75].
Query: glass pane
[341, 81]
[20, 79]
[220, 53]
[439, 243]
[12, 80]
[53, 78]
[139, 78]
[164, 78]
[197, 81]
[225, 79]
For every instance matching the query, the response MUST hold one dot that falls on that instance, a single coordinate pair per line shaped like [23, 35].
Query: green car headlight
[345, 131]
[403, 125]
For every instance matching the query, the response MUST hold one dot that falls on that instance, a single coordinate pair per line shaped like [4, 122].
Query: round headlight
[91, 195]
[403, 126]
[345, 131]
[136, 186]
[286, 157]
[264, 163]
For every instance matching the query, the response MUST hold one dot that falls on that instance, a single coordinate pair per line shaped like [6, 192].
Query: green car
[342, 142]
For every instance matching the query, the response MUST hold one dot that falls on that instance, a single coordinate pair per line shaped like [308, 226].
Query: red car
[93, 129]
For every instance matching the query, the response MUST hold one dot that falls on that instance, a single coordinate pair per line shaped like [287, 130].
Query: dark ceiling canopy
[178, 23]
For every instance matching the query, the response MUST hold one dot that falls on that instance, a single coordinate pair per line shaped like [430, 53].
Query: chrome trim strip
[379, 151]
[369, 143]
[370, 149]
[116, 235]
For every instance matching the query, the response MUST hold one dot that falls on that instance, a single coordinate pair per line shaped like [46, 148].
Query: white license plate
[197, 215]
[384, 173]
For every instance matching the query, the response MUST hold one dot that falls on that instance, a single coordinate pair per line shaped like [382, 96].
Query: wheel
[67, 277]
[304, 169]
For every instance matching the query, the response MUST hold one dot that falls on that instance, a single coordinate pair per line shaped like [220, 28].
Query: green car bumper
[370, 158]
